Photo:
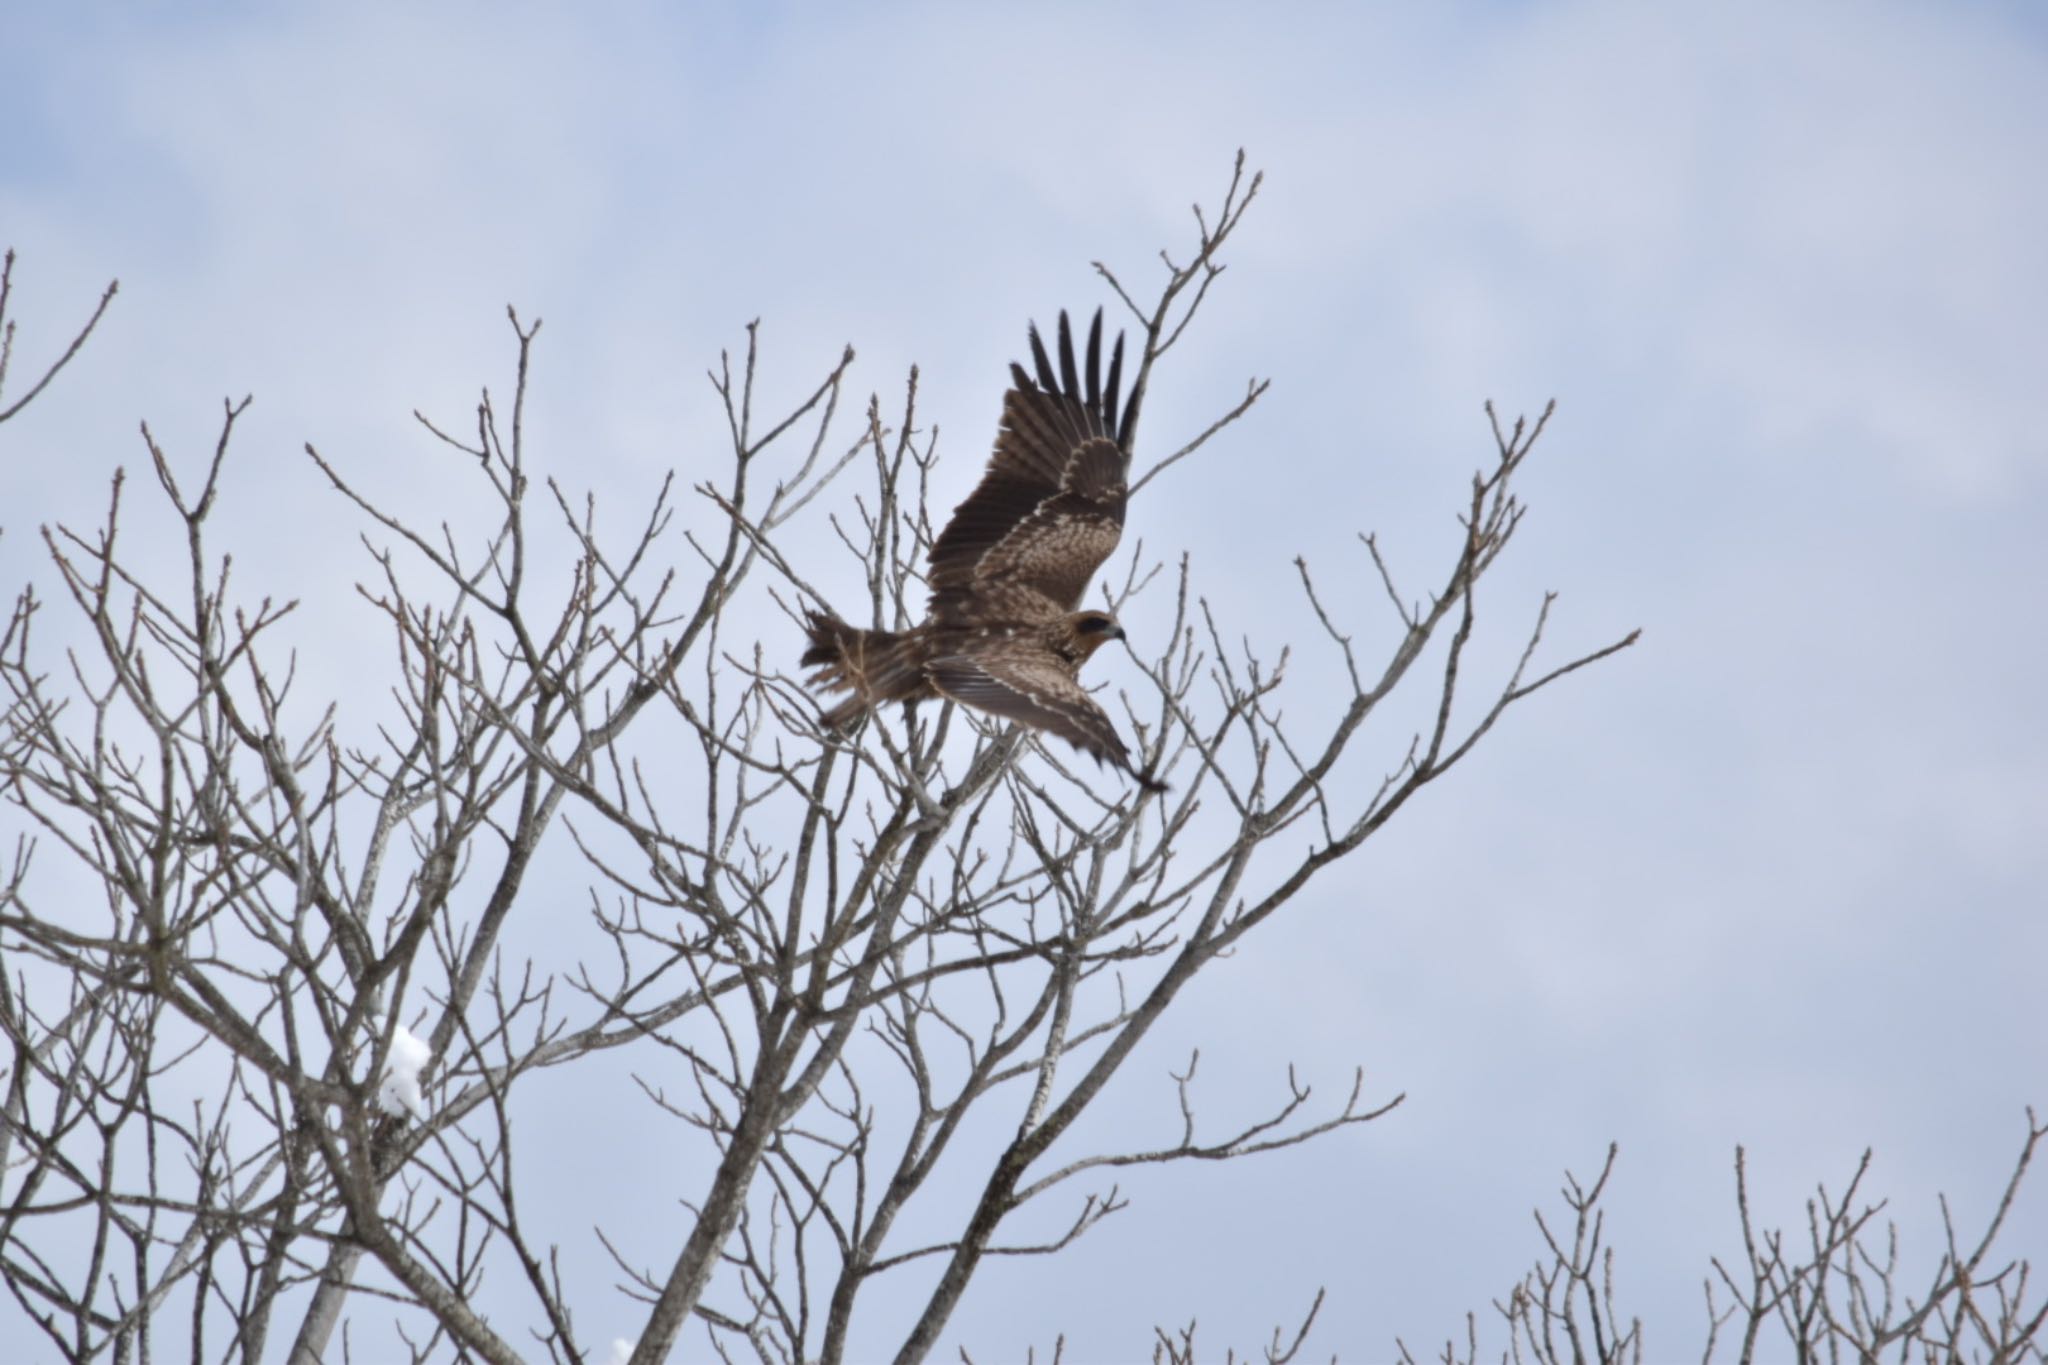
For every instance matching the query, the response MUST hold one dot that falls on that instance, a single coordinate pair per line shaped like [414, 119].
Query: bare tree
[273, 1025]
[1840, 1293]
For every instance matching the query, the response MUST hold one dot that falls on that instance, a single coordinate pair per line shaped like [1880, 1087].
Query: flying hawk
[1003, 633]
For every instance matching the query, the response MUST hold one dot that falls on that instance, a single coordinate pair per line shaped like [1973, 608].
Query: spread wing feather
[1050, 509]
[1021, 684]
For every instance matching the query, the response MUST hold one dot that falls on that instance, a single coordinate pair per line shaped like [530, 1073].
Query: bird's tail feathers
[874, 665]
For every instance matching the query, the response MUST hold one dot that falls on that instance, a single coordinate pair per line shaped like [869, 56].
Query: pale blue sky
[1773, 878]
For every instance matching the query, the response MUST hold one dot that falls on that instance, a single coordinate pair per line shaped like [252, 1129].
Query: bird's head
[1091, 630]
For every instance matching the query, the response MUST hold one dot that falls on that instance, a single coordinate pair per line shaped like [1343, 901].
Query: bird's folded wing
[1037, 692]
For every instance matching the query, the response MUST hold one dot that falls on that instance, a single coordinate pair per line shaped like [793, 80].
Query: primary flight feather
[1003, 632]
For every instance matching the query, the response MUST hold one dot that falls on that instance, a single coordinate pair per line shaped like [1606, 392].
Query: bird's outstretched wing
[1050, 509]
[1021, 683]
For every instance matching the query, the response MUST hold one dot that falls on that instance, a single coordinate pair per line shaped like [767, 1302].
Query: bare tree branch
[7, 337]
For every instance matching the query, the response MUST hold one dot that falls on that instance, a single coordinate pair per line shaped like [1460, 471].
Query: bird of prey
[1003, 632]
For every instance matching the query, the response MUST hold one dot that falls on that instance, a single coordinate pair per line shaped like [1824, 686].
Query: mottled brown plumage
[1003, 633]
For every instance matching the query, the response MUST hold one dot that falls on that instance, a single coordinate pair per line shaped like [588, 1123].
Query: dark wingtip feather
[1095, 364]
[1123, 424]
[1116, 379]
[1046, 379]
[1098, 396]
[1070, 383]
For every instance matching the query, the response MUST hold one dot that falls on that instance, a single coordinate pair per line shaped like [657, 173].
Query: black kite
[1003, 633]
